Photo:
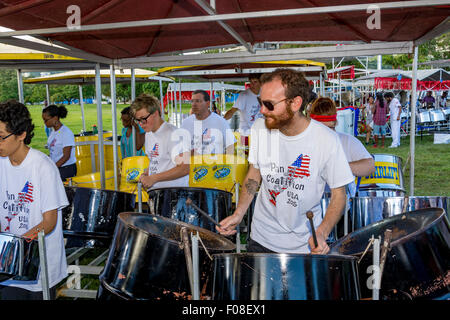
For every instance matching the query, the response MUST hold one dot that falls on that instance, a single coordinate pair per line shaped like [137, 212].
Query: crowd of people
[278, 112]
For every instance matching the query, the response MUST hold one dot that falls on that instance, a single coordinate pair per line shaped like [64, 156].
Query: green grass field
[432, 163]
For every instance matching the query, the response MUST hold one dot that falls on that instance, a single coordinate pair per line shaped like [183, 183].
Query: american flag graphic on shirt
[298, 169]
[206, 134]
[26, 195]
[154, 152]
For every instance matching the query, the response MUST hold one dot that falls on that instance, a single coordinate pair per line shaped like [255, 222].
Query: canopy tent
[132, 28]
[88, 77]
[241, 71]
[13, 57]
[132, 33]
[346, 72]
[429, 79]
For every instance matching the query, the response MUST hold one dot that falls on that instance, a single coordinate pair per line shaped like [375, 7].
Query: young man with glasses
[304, 155]
[169, 160]
[32, 195]
[210, 133]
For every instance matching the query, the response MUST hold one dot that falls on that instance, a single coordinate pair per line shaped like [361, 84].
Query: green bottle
[94, 129]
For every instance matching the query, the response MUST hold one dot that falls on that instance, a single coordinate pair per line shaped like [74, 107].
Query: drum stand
[72, 287]
[43, 265]
[192, 261]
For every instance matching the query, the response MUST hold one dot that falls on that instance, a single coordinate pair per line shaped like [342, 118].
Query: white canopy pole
[133, 97]
[47, 93]
[114, 125]
[210, 95]
[412, 134]
[179, 88]
[162, 98]
[101, 153]
[80, 89]
[20, 85]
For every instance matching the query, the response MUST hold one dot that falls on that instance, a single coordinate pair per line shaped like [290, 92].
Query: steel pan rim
[16, 236]
[399, 241]
[229, 245]
[189, 189]
[95, 189]
[339, 257]
[402, 197]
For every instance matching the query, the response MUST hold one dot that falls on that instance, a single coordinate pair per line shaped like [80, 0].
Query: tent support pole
[412, 134]
[114, 125]
[101, 153]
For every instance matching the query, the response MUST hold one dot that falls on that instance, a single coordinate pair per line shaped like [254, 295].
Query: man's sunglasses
[268, 104]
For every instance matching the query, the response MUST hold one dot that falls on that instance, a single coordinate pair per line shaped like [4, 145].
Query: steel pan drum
[437, 115]
[387, 180]
[273, 276]
[146, 259]
[171, 203]
[91, 216]
[424, 117]
[368, 210]
[418, 263]
[19, 258]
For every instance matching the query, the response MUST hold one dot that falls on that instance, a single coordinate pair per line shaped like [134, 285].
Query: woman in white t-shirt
[32, 196]
[61, 141]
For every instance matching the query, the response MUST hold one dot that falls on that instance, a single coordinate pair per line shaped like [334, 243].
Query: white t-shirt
[210, 136]
[26, 192]
[294, 175]
[394, 107]
[354, 150]
[161, 148]
[248, 105]
[56, 142]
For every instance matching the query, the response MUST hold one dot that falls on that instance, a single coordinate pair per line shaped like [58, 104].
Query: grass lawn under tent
[432, 163]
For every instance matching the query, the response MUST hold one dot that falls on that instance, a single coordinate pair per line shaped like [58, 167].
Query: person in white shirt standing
[61, 141]
[395, 110]
[247, 104]
[304, 156]
[210, 133]
[32, 196]
[169, 160]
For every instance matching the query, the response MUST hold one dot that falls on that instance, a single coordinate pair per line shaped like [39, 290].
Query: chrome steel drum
[418, 262]
[368, 210]
[147, 261]
[342, 227]
[273, 276]
[19, 258]
[91, 216]
[446, 111]
[437, 115]
[424, 117]
[171, 203]
[387, 180]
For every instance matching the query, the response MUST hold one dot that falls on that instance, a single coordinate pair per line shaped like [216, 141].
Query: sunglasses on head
[269, 104]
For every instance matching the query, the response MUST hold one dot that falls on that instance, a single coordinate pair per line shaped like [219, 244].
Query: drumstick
[310, 216]
[190, 203]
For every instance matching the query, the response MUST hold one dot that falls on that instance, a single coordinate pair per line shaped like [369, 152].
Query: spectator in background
[444, 98]
[379, 119]
[395, 110]
[126, 141]
[429, 100]
[366, 111]
[61, 142]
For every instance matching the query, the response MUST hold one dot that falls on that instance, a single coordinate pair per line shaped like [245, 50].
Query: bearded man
[292, 158]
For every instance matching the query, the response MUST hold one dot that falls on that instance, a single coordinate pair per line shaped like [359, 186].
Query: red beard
[279, 122]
